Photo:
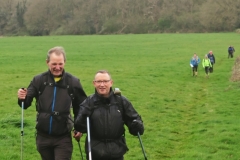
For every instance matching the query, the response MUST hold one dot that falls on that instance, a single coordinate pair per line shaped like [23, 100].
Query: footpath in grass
[203, 124]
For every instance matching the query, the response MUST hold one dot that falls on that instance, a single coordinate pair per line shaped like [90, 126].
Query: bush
[238, 30]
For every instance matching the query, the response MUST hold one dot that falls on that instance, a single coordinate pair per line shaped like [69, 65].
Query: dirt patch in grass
[236, 71]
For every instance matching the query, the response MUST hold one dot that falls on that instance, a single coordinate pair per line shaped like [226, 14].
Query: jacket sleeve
[203, 63]
[80, 123]
[210, 64]
[32, 92]
[79, 97]
[130, 115]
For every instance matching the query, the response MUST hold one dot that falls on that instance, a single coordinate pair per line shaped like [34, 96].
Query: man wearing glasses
[107, 112]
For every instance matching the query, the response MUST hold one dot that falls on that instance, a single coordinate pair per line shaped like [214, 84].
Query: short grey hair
[58, 50]
[103, 71]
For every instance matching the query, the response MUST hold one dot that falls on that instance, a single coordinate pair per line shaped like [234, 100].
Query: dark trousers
[54, 148]
[230, 54]
[206, 70]
[211, 68]
[194, 69]
[120, 158]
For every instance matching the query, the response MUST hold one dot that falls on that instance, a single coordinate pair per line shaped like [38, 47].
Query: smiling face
[102, 82]
[56, 64]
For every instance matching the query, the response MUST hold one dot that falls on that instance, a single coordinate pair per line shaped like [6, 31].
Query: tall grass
[185, 117]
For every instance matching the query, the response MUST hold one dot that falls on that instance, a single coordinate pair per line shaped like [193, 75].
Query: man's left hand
[77, 135]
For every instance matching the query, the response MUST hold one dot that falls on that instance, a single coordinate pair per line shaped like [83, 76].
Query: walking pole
[22, 131]
[89, 144]
[140, 140]
[80, 149]
[79, 146]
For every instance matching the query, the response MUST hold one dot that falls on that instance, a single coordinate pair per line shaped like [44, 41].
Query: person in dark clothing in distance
[231, 51]
[212, 60]
[54, 126]
[107, 112]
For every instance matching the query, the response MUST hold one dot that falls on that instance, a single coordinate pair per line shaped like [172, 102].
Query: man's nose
[102, 84]
[57, 66]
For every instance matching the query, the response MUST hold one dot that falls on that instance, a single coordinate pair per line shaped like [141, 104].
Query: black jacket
[54, 103]
[107, 119]
[212, 58]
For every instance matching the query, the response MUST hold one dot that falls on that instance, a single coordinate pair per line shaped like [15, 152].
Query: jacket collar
[104, 99]
[62, 76]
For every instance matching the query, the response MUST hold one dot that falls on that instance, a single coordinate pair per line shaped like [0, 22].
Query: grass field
[185, 118]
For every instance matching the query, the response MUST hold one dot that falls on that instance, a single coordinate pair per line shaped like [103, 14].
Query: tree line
[78, 17]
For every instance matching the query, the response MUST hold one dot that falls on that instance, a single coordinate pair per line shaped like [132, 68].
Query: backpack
[230, 49]
[117, 92]
[44, 82]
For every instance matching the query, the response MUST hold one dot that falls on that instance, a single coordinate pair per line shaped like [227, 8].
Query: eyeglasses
[104, 81]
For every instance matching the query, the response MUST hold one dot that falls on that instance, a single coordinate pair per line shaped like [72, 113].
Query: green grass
[185, 118]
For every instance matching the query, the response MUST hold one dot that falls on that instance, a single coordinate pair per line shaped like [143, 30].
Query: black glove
[135, 127]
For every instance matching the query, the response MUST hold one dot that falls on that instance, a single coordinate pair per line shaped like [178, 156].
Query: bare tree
[6, 11]
[44, 17]
[220, 15]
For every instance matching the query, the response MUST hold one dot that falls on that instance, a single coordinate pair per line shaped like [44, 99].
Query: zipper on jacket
[53, 104]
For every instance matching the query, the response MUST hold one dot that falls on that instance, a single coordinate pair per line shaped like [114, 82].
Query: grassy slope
[185, 117]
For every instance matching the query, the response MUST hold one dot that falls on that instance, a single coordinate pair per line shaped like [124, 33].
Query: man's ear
[111, 82]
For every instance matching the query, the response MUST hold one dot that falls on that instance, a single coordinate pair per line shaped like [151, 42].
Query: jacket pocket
[43, 122]
[53, 124]
[119, 148]
[112, 149]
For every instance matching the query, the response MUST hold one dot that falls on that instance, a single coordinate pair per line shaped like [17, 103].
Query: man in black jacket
[212, 60]
[107, 112]
[231, 50]
[56, 91]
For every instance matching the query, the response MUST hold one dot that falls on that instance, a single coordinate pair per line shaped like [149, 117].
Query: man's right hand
[22, 92]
